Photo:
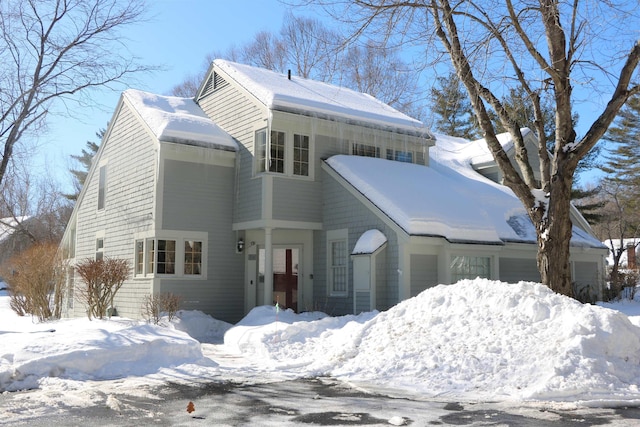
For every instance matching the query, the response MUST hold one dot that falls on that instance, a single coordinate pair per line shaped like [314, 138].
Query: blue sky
[178, 36]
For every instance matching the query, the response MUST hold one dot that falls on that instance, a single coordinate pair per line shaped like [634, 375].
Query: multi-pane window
[99, 248]
[192, 257]
[400, 156]
[166, 257]
[365, 150]
[102, 186]
[139, 262]
[301, 155]
[338, 267]
[184, 256]
[276, 162]
[470, 267]
[151, 255]
[261, 147]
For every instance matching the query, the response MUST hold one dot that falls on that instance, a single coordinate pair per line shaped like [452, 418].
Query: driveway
[312, 402]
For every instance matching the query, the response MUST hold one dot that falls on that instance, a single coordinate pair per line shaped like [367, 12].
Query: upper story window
[365, 150]
[102, 186]
[400, 156]
[301, 155]
[287, 154]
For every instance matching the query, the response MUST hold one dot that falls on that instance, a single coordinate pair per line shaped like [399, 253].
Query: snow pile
[175, 118]
[476, 339]
[80, 349]
[200, 326]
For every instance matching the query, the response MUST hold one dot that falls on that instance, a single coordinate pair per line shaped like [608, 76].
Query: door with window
[286, 269]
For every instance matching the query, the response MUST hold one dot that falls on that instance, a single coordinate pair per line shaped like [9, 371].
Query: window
[102, 185]
[166, 257]
[192, 257]
[469, 267]
[181, 255]
[400, 156]
[337, 262]
[276, 161]
[99, 248]
[151, 255]
[301, 155]
[283, 153]
[365, 150]
[139, 263]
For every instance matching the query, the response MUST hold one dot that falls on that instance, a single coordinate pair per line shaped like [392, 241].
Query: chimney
[631, 256]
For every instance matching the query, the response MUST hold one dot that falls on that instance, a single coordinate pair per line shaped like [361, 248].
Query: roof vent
[289, 74]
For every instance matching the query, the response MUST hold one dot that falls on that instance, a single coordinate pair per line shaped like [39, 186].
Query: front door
[286, 263]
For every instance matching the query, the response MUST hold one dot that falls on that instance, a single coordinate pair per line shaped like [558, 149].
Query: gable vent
[218, 81]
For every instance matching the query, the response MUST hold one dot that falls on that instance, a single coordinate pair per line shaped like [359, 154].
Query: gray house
[270, 188]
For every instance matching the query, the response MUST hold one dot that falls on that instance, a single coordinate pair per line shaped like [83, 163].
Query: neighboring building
[266, 188]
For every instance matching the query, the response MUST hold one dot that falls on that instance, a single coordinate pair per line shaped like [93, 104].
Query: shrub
[154, 306]
[103, 278]
[35, 282]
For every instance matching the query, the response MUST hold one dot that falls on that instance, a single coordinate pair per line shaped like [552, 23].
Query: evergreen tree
[452, 109]
[84, 160]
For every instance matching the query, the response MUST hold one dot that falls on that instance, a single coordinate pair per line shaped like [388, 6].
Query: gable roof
[177, 119]
[446, 199]
[309, 97]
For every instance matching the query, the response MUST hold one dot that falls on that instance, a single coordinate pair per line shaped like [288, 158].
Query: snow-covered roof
[369, 242]
[479, 153]
[278, 92]
[446, 199]
[177, 119]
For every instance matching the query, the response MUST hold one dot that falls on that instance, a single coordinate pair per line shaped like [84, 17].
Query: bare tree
[542, 46]
[55, 51]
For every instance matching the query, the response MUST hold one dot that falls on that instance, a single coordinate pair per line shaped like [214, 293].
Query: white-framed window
[283, 153]
[470, 267]
[171, 253]
[301, 155]
[400, 156]
[365, 150]
[102, 186]
[337, 263]
[99, 248]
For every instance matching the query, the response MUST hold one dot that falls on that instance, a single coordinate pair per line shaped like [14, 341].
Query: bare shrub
[35, 282]
[622, 285]
[103, 278]
[154, 306]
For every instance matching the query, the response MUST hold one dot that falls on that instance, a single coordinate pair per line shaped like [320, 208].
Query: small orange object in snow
[190, 407]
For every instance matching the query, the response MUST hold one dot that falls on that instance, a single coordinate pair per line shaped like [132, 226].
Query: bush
[154, 306]
[103, 278]
[623, 285]
[35, 282]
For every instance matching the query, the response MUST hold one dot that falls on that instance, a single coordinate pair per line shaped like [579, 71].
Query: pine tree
[452, 109]
[85, 159]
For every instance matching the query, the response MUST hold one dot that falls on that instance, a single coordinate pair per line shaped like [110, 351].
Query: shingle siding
[237, 115]
[199, 197]
[130, 158]
[342, 210]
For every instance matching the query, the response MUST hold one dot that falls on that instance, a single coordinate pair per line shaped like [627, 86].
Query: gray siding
[236, 114]
[297, 200]
[587, 280]
[342, 210]
[199, 197]
[130, 156]
[513, 270]
[424, 272]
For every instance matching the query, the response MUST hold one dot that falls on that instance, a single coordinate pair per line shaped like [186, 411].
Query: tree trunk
[554, 235]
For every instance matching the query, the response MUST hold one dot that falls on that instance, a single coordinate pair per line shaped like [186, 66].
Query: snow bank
[476, 339]
[80, 349]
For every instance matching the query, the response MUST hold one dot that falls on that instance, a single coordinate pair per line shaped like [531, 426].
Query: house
[270, 188]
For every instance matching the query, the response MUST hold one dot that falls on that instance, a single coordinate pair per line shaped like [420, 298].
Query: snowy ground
[473, 341]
